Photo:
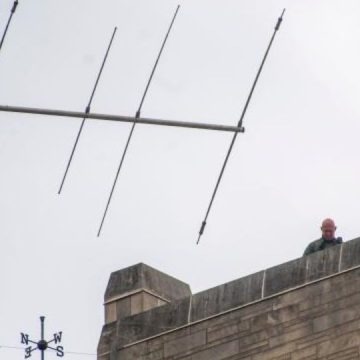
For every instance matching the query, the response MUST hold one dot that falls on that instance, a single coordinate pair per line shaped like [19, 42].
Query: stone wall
[308, 308]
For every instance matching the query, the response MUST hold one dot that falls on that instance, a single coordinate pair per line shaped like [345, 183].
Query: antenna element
[12, 12]
[240, 124]
[137, 116]
[87, 111]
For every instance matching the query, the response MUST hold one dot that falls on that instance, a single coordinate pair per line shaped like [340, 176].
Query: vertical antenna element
[137, 116]
[240, 124]
[87, 110]
[12, 12]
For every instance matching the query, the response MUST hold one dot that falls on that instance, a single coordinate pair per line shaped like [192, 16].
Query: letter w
[57, 337]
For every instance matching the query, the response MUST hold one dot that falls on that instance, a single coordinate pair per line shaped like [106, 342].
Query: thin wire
[12, 11]
[240, 123]
[79, 353]
[87, 110]
[11, 347]
[137, 116]
[65, 352]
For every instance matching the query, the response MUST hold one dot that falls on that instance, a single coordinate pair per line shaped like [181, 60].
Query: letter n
[24, 338]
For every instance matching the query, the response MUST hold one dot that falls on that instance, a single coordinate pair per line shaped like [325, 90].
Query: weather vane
[42, 344]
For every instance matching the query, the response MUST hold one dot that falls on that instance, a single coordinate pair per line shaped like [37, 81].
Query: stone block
[152, 322]
[218, 352]
[350, 256]
[184, 344]
[107, 337]
[322, 263]
[110, 313]
[285, 276]
[142, 276]
[130, 353]
[150, 301]
[226, 296]
[136, 303]
[123, 308]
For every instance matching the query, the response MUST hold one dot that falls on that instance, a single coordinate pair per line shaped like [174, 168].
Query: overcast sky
[297, 163]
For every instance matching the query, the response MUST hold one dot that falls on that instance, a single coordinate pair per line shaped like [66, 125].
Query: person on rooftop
[327, 239]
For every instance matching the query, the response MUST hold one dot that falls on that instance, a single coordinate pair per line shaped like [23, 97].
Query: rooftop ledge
[230, 296]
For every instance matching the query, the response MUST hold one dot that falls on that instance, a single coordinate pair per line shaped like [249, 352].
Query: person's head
[328, 229]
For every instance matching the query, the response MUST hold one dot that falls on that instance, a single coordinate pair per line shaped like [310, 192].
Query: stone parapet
[248, 294]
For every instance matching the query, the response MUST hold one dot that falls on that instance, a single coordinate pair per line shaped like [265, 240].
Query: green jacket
[321, 244]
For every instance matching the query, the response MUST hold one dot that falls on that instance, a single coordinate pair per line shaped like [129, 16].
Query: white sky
[297, 163]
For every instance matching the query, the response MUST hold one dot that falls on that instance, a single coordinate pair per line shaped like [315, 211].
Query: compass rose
[42, 345]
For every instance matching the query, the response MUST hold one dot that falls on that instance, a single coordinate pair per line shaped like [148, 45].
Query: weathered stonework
[135, 290]
[308, 308]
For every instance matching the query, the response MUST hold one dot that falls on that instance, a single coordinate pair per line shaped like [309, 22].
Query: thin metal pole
[156, 63]
[42, 319]
[12, 12]
[126, 119]
[240, 124]
[87, 110]
[137, 116]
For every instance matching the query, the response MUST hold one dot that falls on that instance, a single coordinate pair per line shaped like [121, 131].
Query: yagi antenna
[240, 124]
[137, 116]
[12, 12]
[87, 111]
